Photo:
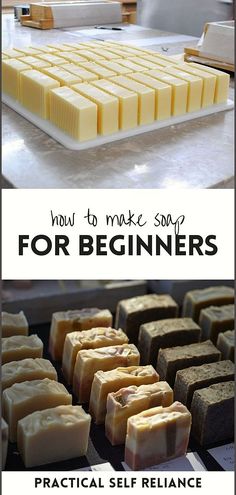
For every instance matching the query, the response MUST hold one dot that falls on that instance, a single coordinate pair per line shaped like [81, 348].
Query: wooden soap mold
[71, 144]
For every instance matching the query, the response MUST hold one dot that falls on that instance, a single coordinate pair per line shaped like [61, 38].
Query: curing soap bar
[88, 339]
[216, 319]
[105, 358]
[4, 430]
[105, 382]
[196, 300]
[34, 91]
[213, 413]
[157, 435]
[166, 333]
[225, 344]
[65, 322]
[163, 94]
[27, 369]
[14, 324]
[196, 377]
[222, 82]
[172, 359]
[21, 347]
[53, 435]
[11, 70]
[132, 400]
[131, 313]
[24, 398]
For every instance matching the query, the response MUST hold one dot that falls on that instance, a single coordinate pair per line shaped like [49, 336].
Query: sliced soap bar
[146, 98]
[64, 430]
[88, 339]
[119, 69]
[157, 435]
[196, 377]
[14, 324]
[208, 80]
[64, 322]
[132, 66]
[21, 347]
[105, 53]
[133, 312]
[216, 319]
[213, 413]
[52, 59]
[73, 57]
[226, 344]
[4, 436]
[132, 400]
[196, 300]
[90, 55]
[128, 103]
[222, 82]
[28, 51]
[27, 369]
[105, 382]
[43, 48]
[97, 69]
[11, 70]
[35, 63]
[108, 107]
[172, 359]
[34, 91]
[179, 91]
[83, 74]
[24, 398]
[64, 77]
[156, 58]
[165, 333]
[146, 63]
[59, 47]
[12, 53]
[73, 113]
[163, 94]
[105, 359]
[195, 87]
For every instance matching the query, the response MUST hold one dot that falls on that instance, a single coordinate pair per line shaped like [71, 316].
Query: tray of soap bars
[100, 450]
[107, 91]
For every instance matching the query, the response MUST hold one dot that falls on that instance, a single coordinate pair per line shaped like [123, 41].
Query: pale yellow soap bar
[28, 51]
[59, 47]
[179, 91]
[74, 114]
[129, 64]
[105, 382]
[156, 59]
[107, 105]
[90, 55]
[12, 53]
[128, 103]
[64, 77]
[105, 53]
[24, 398]
[105, 359]
[117, 51]
[42, 48]
[119, 69]
[146, 98]
[35, 90]
[21, 347]
[88, 339]
[208, 80]
[98, 69]
[52, 58]
[83, 74]
[73, 57]
[222, 82]
[27, 369]
[35, 63]
[195, 87]
[146, 63]
[53, 435]
[64, 322]
[4, 436]
[4, 57]
[14, 324]
[11, 70]
[163, 94]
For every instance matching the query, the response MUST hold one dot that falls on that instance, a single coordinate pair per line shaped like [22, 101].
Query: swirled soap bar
[27, 369]
[105, 358]
[14, 324]
[88, 339]
[53, 435]
[21, 347]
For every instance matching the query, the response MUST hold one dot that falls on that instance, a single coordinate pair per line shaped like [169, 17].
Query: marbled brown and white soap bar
[195, 300]
[27, 369]
[21, 347]
[14, 324]
[216, 319]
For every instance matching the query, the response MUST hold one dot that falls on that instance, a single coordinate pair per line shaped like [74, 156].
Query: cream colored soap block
[35, 63]
[64, 77]
[4, 435]
[52, 58]
[90, 55]
[21, 347]
[11, 70]
[42, 48]
[27, 369]
[155, 59]
[157, 435]
[222, 82]
[117, 51]
[35, 90]
[129, 64]
[208, 80]
[105, 53]
[73, 57]
[163, 94]
[24, 398]
[105, 382]
[12, 53]
[88, 339]
[146, 63]
[64, 322]
[83, 74]
[128, 103]
[74, 114]
[146, 98]
[104, 358]
[127, 402]
[108, 107]
[119, 69]
[53, 435]
[59, 47]
[97, 69]
[195, 87]
[179, 91]
[28, 51]
[14, 324]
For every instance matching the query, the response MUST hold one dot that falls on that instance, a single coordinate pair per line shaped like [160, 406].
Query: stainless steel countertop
[195, 154]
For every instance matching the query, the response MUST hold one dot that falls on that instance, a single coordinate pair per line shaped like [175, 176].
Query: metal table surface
[195, 154]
